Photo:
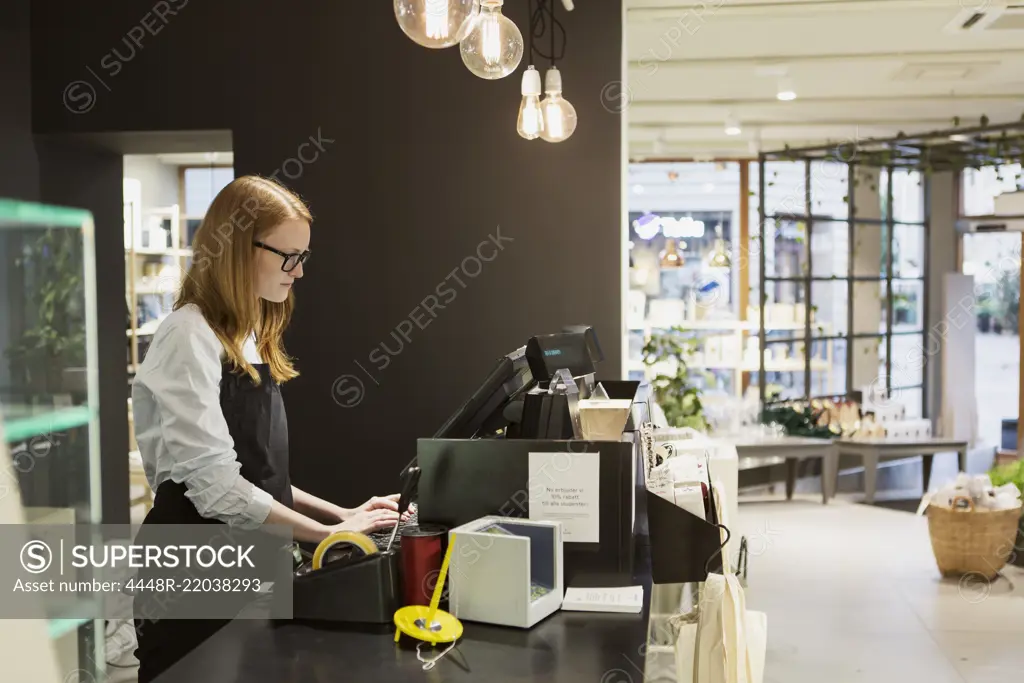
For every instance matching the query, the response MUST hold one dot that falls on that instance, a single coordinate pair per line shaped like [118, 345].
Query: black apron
[256, 419]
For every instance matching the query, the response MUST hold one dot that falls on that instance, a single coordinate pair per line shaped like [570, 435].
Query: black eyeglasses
[291, 261]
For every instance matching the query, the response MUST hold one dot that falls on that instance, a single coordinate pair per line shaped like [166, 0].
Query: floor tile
[852, 593]
[984, 657]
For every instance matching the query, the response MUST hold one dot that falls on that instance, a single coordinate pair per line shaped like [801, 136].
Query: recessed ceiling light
[786, 92]
[638, 189]
[732, 127]
[957, 137]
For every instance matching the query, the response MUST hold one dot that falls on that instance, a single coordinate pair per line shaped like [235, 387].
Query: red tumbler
[422, 551]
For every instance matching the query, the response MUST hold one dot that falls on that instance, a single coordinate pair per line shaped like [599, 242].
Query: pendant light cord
[552, 31]
[543, 20]
[529, 35]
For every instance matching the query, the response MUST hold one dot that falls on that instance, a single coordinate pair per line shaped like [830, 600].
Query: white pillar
[867, 296]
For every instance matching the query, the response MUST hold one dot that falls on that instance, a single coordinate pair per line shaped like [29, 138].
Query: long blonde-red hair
[221, 279]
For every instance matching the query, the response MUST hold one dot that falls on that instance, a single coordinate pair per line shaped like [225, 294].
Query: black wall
[19, 167]
[60, 171]
[73, 175]
[423, 165]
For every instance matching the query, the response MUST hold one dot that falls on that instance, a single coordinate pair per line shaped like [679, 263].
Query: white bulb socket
[531, 82]
[553, 81]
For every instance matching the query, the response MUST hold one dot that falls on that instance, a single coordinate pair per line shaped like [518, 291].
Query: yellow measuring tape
[428, 623]
[361, 541]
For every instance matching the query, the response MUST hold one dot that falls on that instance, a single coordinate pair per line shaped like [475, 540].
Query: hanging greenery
[988, 145]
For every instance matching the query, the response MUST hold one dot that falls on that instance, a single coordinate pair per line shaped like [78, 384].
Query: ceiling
[860, 69]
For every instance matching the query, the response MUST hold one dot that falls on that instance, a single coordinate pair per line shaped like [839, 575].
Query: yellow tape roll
[361, 541]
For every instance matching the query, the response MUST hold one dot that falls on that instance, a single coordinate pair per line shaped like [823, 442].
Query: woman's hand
[368, 521]
[389, 502]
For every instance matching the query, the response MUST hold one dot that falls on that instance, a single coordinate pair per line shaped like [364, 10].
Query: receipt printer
[505, 570]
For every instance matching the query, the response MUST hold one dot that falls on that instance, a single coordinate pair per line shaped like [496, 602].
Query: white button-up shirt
[179, 424]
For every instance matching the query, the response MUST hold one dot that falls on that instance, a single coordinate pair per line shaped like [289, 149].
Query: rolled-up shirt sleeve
[182, 373]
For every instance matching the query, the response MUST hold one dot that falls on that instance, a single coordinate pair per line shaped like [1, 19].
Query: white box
[496, 565]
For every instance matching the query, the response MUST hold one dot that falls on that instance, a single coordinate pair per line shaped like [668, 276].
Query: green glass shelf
[27, 213]
[62, 627]
[22, 423]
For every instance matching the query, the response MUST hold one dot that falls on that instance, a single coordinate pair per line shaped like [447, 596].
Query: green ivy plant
[796, 419]
[677, 397]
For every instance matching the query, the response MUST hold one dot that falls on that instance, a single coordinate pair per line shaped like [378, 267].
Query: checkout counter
[472, 467]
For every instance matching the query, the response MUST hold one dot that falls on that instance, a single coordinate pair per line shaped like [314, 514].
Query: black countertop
[569, 647]
[576, 647]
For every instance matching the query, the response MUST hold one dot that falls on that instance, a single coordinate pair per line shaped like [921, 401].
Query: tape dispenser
[348, 579]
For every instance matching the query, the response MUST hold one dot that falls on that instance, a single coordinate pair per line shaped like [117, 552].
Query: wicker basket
[969, 541]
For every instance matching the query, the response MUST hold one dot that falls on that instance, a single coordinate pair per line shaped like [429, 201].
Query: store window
[842, 314]
[980, 187]
[199, 185]
[993, 260]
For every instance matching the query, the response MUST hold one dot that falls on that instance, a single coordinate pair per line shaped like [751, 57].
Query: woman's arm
[318, 508]
[303, 528]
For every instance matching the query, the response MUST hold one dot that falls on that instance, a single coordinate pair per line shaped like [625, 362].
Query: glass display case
[49, 396]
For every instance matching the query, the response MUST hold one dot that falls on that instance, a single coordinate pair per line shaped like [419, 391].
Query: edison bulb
[436, 23]
[559, 114]
[531, 116]
[494, 46]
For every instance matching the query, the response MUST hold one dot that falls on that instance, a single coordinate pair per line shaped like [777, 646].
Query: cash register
[519, 399]
[526, 397]
[478, 463]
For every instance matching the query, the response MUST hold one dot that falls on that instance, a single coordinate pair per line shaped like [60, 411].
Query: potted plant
[53, 339]
[985, 311]
[679, 400]
[1012, 473]
[1008, 292]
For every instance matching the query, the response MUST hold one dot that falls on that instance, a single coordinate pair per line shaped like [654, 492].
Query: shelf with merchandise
[732, 352]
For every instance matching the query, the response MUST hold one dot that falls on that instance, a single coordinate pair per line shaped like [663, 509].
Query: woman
[209, 418]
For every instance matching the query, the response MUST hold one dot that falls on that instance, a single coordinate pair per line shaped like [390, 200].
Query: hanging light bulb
[436, 23]
[531, 117]
[559, 114]
[493, 47]
[719, 255]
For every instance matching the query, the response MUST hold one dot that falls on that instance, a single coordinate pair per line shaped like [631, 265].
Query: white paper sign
[628, 599]
[565, 487]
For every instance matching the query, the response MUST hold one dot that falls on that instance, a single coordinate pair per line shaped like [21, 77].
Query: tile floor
[852, 594]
